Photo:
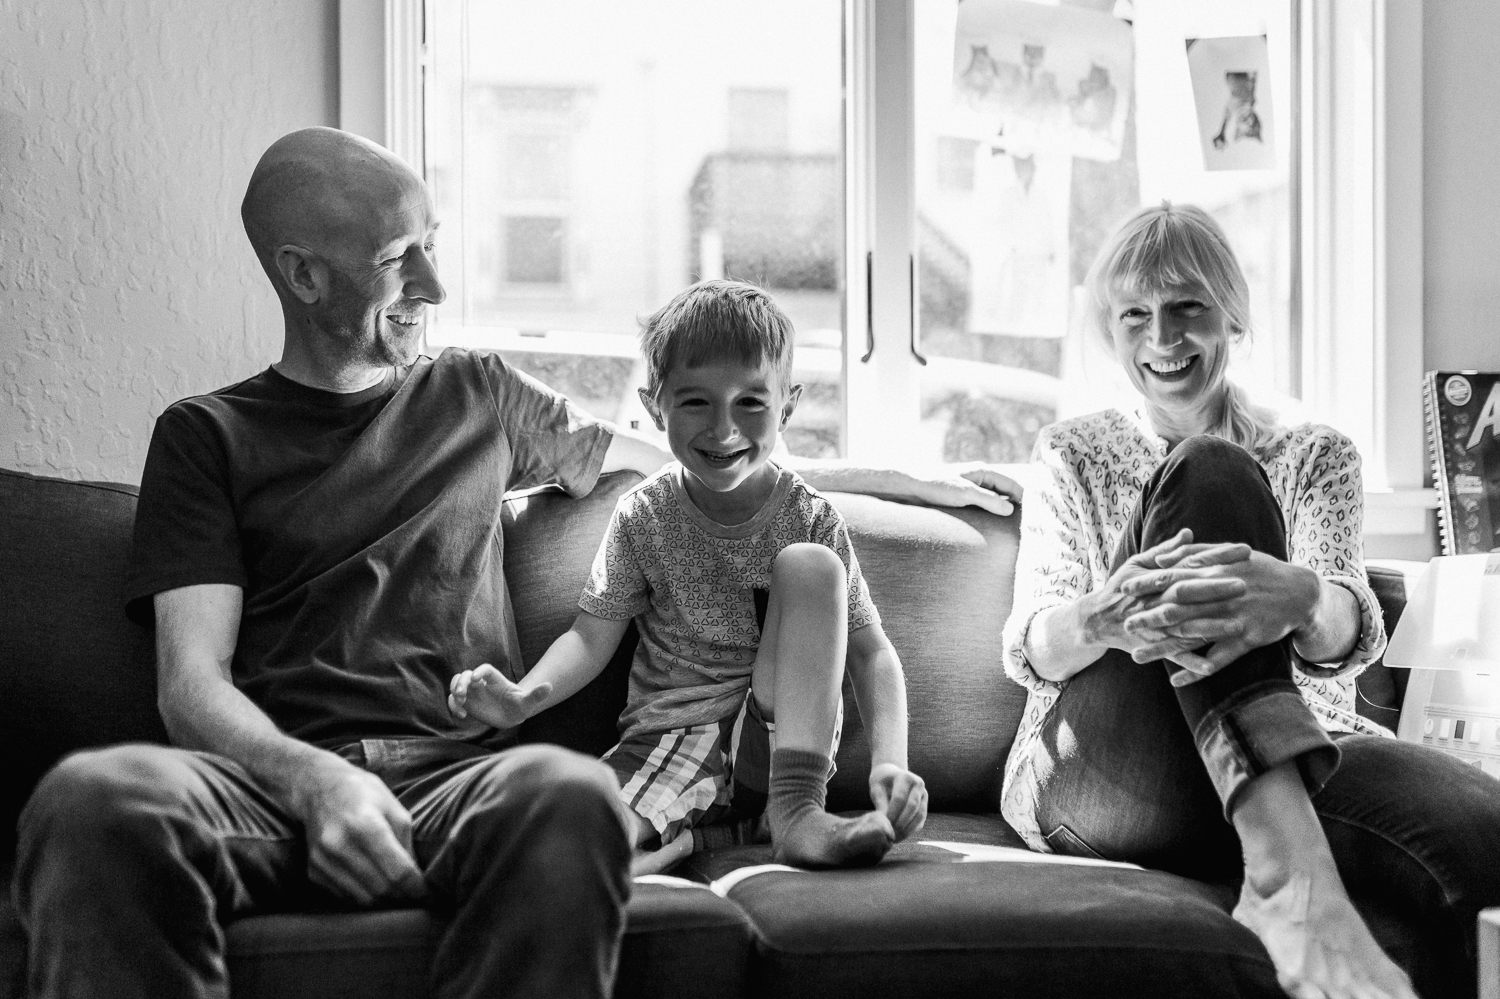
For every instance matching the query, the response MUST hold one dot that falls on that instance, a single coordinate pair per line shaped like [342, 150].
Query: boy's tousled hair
[1166, 246]
[715, 320]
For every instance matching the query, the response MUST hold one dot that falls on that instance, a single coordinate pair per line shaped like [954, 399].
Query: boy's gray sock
[802, 833]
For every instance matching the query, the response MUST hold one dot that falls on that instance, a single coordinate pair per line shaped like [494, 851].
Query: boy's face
[721, 419]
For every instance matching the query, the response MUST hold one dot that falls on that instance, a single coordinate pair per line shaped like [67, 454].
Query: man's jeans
[131, 857]
[1139, 770]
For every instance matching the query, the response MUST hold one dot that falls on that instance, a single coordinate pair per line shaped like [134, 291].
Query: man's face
[384, 275]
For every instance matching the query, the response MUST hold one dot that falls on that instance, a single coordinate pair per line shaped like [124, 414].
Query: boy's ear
[793, 396]
[649, 401]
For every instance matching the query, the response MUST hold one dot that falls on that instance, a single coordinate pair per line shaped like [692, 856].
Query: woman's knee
[1204, 461]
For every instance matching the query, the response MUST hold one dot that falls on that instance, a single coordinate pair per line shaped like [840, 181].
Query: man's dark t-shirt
[364, 530]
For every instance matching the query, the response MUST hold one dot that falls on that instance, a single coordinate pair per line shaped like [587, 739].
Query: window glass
[591, 158]
[1039, 128]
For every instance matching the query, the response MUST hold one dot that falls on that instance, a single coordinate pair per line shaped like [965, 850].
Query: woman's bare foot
[1294, 900]
[1319, 944]
[662, 860]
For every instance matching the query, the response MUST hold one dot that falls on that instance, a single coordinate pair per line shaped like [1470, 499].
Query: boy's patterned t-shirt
[690, 584]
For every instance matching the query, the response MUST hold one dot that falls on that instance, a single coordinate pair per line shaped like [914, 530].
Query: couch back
[75, 672]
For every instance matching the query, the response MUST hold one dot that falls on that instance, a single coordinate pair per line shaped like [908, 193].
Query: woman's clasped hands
[1201, 606]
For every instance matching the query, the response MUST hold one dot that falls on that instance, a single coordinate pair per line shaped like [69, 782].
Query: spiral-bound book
[1463, 438]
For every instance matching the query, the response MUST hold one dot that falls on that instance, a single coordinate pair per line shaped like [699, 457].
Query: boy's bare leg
[1294, 899]
[797, 683]
[664, 857]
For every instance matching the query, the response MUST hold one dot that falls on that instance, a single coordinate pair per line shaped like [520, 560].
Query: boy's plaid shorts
[693, 776]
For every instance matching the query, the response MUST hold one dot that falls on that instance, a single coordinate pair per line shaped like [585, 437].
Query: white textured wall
[1461, 184]
[128, 129]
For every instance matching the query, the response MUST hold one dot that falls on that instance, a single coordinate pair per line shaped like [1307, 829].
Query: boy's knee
[811, 567]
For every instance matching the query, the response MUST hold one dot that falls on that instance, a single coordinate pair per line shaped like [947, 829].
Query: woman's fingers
[1210, 619]
[1201, 555]
[1150, 555]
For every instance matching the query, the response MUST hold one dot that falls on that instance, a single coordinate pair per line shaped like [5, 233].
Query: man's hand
[358, 834]
[968, 484]
[489, 696]
[901, 795]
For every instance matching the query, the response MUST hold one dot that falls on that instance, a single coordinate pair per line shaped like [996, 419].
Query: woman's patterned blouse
[1092, 471]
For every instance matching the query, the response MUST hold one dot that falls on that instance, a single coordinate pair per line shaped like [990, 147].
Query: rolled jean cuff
[1258, 729]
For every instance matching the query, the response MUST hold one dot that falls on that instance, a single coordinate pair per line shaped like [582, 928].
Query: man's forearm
[629, 450]
[214, 716]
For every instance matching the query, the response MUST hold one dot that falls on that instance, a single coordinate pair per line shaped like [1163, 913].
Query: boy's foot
[1319, 944]
[802, 833]
[662, 860]
[816, 839]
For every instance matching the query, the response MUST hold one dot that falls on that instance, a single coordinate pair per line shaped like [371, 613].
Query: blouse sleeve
[1052, 565]
[1326, 534]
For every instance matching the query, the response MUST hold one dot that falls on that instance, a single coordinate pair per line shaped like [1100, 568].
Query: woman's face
[1174, 344]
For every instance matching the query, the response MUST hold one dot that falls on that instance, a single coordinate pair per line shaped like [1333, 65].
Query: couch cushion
[75, 671]
[679, 943]
[922, 923]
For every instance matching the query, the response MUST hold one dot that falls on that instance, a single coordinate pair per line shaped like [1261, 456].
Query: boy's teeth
[1167, 367]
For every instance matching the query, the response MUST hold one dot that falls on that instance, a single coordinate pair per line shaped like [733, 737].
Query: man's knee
[96, 809]
[551, 786]
[808, 568]
[99, 788]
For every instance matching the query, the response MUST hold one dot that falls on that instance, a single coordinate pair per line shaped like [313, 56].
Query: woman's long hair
[1168, 246]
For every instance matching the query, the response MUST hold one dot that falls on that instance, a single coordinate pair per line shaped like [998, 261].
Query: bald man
[319, 549]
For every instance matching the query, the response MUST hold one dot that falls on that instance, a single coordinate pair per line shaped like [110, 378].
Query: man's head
[344, 230]
[719, 379]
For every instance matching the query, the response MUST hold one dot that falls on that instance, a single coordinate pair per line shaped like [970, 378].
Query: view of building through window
[590, 159]
[598, 157]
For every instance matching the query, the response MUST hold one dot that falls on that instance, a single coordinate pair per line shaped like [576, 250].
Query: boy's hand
[902, 796]
[486, 694]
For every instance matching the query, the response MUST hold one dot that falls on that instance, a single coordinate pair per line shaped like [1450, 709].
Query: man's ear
[793, 396]
[305, 275]
[649, 401]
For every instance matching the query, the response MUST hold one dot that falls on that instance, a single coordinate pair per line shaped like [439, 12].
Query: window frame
[1359, 204]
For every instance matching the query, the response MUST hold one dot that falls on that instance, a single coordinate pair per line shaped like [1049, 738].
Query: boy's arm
[880, 692]
[576, 657]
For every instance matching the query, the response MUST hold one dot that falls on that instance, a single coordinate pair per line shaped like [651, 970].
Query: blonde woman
[1191, 611]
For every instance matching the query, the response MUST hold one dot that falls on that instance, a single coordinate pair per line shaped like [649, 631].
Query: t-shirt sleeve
[830, 530]
[616, 589]
[185, 528]
[1052, 564]
[552, 441]
[1326, 534]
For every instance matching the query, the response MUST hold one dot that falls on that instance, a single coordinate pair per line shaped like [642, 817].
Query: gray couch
[75, 673]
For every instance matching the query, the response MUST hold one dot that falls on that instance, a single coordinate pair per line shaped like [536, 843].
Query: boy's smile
[721, 421]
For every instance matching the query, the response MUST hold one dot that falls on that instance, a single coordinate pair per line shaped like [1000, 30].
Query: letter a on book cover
[1463, 437]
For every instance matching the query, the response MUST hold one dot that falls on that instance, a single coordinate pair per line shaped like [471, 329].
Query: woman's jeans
[1136, 769]
[130, 859]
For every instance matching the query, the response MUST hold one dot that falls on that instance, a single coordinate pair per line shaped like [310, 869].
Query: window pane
[1038, 129]
[590, 159]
